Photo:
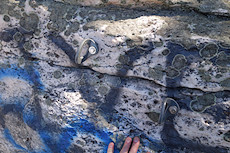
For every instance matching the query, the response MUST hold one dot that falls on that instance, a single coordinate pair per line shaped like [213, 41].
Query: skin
[127, 147]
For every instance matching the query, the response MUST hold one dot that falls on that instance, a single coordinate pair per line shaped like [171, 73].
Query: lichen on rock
[172, 72]
[179, 61]
[157, 72]
[209, 51]
[29, 21]
[223, 59]
[202, 102]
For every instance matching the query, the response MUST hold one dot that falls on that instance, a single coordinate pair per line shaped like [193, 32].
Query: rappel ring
[92, 50]
[169, 107]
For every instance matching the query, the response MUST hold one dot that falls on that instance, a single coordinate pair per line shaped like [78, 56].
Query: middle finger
[126, 145]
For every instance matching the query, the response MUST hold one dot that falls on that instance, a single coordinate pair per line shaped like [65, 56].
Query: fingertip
[128, 140]
[136, 139]
[126, 145]
[111, 145]
[135, 145]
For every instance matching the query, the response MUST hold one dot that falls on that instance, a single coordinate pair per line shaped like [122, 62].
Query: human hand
[126, 147]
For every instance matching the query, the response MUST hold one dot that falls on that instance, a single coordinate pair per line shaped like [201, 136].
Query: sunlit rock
[149, 53]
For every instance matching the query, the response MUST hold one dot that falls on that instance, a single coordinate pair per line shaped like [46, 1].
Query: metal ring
[78, 58]
[162, 114]
[165, 109]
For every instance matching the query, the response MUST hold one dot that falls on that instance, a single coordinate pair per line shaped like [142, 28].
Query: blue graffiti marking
[9, 137]
[29, 74]
[64, 139]
[85, 126]
[56, 139]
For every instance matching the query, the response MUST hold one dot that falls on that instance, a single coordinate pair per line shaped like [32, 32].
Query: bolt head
[92, 50]
[173, 109]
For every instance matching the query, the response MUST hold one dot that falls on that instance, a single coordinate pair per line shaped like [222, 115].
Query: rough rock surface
[218, 7]
[155, 50]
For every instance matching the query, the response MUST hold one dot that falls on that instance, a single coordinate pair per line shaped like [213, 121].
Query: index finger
[110, 147]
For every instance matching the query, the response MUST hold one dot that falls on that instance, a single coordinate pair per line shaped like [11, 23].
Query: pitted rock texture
[180, 51]
[218, 7]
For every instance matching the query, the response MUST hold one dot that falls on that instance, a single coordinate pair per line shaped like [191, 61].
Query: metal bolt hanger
[169, 108]
[92, 50]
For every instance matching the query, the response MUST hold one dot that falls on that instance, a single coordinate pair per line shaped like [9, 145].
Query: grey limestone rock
[148, 52]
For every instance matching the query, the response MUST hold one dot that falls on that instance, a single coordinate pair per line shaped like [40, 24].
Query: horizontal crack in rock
[135, 77]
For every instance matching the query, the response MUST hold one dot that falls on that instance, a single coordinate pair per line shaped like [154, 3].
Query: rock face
[149, 54]
[218, 7]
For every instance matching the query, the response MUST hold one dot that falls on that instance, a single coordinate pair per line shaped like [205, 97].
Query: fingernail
[111, 145]
[128, 140]
[136, 139]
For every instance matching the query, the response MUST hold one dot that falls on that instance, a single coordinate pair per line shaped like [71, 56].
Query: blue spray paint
[28, 74]
[55, 141]
[84, 126]
[9, 137]
[63, 141]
